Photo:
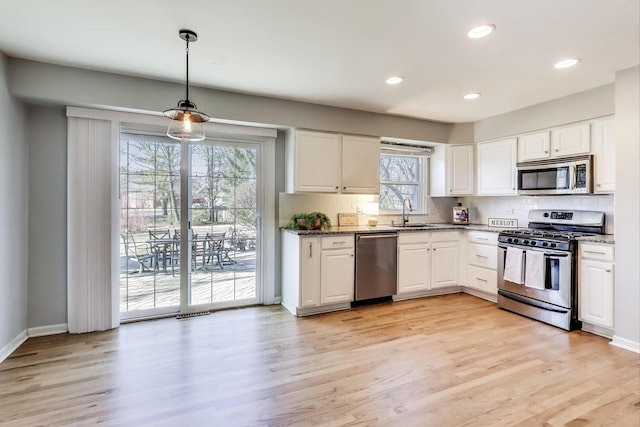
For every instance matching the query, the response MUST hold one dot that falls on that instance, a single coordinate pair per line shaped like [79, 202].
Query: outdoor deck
[156, 289]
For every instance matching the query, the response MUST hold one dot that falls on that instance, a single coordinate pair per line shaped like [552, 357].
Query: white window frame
[422, 182]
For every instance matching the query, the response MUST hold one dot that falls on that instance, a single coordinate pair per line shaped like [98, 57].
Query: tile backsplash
[517, 207]
[438, 209]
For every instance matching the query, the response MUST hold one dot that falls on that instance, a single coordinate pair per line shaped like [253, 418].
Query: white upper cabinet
[571, 140]
[452, 170]
[603, 145]
[360, 164]
[322, 162]
[534, 146]
[497, 168]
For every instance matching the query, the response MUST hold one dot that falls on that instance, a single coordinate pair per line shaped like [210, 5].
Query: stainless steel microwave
[568, 175]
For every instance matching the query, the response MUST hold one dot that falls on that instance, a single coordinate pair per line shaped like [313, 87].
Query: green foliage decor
[309, 221]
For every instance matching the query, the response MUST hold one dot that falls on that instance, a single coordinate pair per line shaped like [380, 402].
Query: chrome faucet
[405, 215]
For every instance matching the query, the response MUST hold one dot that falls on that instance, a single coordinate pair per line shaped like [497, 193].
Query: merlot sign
[503, 222]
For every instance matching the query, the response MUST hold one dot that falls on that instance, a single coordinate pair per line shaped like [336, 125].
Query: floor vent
[187, 315]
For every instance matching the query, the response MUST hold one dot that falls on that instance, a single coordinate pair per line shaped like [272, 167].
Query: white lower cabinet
[336, 276]
[596, 286]
[414, 259]
[482, 262]
[427, 260]
[317, 273]
[444, 260]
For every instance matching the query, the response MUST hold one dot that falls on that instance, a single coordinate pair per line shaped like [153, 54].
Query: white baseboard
[597, 330]
[480, 294]
[12, 345]
[277, 300]
[41, 331]
[625, 344]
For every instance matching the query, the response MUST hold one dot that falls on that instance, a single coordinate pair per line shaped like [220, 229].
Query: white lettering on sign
[503, 222]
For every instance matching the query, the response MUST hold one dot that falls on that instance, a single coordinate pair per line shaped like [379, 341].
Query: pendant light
[186, 121]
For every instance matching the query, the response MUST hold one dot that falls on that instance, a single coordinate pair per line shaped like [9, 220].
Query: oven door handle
[547, 252]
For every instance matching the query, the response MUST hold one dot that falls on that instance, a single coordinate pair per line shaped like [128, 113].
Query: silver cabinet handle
[482, 238]
[310, 250]
[481, 256]
[594, 252]
[482, 280]
[608, 270]
[339, 243]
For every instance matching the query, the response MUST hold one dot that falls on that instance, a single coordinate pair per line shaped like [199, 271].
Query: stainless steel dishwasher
[376, 265]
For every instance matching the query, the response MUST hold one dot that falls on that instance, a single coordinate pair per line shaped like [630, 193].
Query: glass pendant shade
[186, 122]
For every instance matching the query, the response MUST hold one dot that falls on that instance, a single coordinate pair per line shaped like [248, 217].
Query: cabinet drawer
[337, 242]
[483, 256]
[483, 279]
[413, 237]
[444, 236]
[596, 251]
[485, 237]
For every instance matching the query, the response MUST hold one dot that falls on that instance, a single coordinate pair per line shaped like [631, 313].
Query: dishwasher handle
[377, 236]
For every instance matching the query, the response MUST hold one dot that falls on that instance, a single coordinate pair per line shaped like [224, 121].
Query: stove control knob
[509, 240]
[544, 243]
[515, 241]
[526, 242]
[533, 243]
[553, 245]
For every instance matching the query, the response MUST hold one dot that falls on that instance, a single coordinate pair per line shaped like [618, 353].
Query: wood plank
[451, 360]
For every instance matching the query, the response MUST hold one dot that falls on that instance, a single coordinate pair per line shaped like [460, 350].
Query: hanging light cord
[188, 37]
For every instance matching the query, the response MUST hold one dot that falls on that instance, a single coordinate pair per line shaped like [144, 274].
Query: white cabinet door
[604, 152]
[336, 276]
[360, 165]
[460, 170]
[571, 140]
[413, 267]
[309, 271]
[313, 162]
[596, 292]
[534, 146]
[497, 168]
[444, 264]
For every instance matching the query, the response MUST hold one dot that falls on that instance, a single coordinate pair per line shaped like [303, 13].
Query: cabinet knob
[434, 249]
[344, 188]
[597, 185]
[608, 270]
[337, 187]
[557, 149]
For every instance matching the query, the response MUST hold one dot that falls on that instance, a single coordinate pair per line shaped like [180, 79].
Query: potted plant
[309, 221]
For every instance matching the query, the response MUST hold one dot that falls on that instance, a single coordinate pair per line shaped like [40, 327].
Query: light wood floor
[453, 360]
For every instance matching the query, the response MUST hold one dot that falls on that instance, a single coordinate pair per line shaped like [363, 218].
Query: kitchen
[35, 293]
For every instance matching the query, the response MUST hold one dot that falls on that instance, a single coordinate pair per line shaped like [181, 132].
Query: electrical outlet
[359, 209]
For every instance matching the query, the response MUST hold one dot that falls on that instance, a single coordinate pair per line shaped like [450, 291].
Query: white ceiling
[339, 52]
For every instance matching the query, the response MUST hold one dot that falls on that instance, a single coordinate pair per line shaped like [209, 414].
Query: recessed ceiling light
[471, 96]
[481, 31]
[566, 63]
[394, 80]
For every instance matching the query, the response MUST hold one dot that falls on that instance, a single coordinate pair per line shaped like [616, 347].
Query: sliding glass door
[215, 264]
[224, 218]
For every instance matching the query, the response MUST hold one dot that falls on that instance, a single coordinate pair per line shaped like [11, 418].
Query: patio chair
[141, 253]
[214, 246]
[162, 248]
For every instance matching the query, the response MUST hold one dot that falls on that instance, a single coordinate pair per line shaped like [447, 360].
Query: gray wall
[596, 102]
[627, 269]
[73, 86]
[13, 214]
[47, 216]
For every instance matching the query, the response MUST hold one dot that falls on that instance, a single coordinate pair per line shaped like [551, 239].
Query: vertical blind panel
[89, 189]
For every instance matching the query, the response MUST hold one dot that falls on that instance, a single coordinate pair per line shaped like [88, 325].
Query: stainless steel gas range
[537, 266]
